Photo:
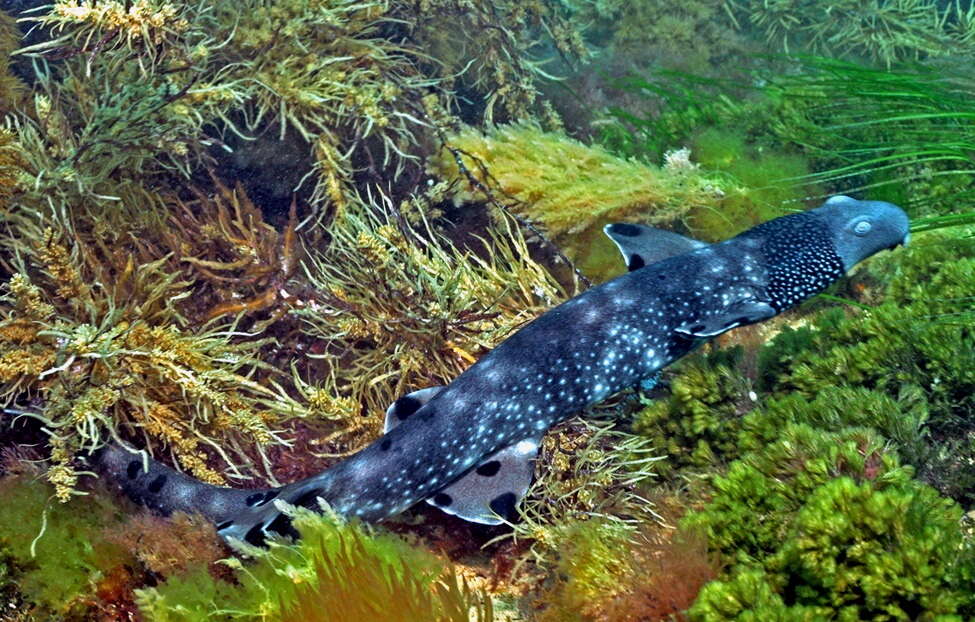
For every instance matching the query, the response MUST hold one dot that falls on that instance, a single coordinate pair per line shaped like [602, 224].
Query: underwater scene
[487, 310]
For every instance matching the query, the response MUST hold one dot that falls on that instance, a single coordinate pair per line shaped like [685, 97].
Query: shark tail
[165, 490]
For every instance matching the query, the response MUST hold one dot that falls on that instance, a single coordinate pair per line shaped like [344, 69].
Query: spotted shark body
[452, 445]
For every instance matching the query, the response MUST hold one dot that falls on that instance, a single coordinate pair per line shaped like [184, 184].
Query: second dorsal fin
[642, 245]
[405, 406]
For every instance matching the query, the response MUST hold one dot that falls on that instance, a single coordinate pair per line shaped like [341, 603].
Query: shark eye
[862, 227]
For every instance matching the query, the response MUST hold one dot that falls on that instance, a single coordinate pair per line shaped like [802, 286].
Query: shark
[469, 447]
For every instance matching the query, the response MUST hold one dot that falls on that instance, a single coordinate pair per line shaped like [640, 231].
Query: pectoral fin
[491, 491]
[746, 312]
[642, 245]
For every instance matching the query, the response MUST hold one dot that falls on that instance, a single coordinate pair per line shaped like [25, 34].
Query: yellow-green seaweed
[573, 189]
[337, 572]
[586, 470]
[107, 355]
[12, 89]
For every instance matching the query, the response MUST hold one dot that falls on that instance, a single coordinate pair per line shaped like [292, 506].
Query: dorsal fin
[407, 405]
[642, 245]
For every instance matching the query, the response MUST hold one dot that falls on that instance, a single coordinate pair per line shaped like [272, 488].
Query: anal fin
[488, 493]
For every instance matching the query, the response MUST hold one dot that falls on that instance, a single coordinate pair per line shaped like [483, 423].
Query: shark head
[804, 252]
[862, 228]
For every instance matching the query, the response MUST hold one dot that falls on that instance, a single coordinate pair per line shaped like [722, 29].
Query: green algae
[819, 512]
[696, 425]
[55, 555]
[883, 31]
[855, 551]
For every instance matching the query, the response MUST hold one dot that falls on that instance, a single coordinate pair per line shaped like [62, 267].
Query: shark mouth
[904, 242]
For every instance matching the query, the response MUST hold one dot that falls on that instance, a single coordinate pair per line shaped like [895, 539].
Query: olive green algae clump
[829, 526]
[54, 556]
[337, 572]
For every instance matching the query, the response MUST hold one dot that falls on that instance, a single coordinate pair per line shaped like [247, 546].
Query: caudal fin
[165, 491]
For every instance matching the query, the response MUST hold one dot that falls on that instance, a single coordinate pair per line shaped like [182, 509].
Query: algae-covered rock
[830, 525]
[54, 556]
[751, 506]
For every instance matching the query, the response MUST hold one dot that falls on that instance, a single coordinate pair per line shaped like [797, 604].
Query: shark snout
[863, 228]
[904, 242]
